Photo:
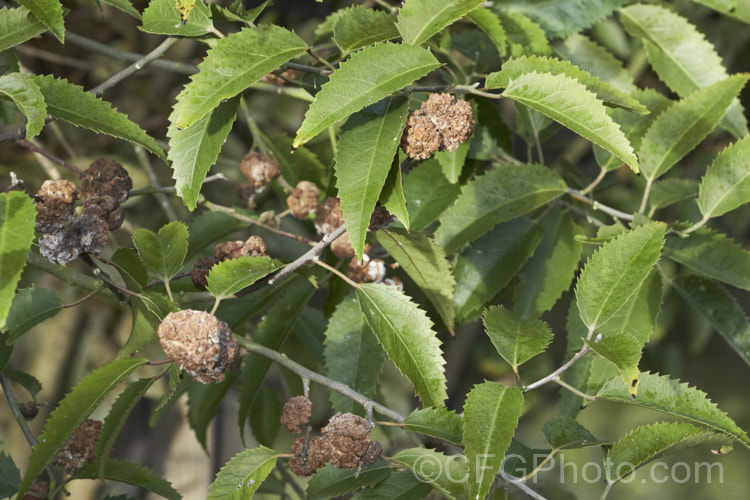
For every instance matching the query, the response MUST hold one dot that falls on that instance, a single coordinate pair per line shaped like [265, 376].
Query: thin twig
[36, 149]
[520, 485]
[594, 183]
[171, 189]
[232, 212]
[307, 69]
[599, 206]
[552, 376]
[300, 370]
[73, 278]
[309, 255]
[336, 272]
[572, 389]
[646, 192]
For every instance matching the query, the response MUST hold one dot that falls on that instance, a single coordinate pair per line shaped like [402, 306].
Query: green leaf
[392, 196]
[726, 184]
[352, 355]
[163, 18]
[130, 473]
[225, 71]
[427, 194]
[17, 26]
[487, 21]
[516, 340]
[357, 26]
[204, 401]
[676, 131]
[720, 308]
[243, 474]
[50, 13]
[638, 316]
[447, 474]
[115, 419]
[72, 104]
[624, 351]
[592, 57]
[299, 164]
[516, 67]
[569, 103]
[22, 90]
[125, 6]
[364, 155]
[650, 442]
[27, 381]
[329, 482]
[524, 35]
[659, 392]
[17, 215]
[230, 276]
[420, 20]
[131, 268]
[491, 416]
[176, 386]
[272, 332]
[30, 307]
[549, 272]
[72, 411]
[10, 476]
[680, 55]
[426, 264]
[616, 271]
[666, 192]
[406, 334]
[365, 78]
[737, 9]
[440, 423]
[488, 265]
[566, 433]
[452, 162]
[562, 18]
[208, 227]
[400, 485]
[194, 149]
[162, 253]
[497, 196]
[712, 254]
[265, 416]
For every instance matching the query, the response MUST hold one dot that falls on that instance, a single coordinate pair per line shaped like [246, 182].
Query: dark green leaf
[27, 381]
[592, 57]
[130, 473]
[30, 307]
[230, 276]
[264, 416]
[24, 92]
[487, 21]
[329, 482]
[447, 474]
[516, 340]
[562, 18]
[243, 474]
[50, 13]
[400, 485]
[163, 253]
[10, 476]
[427, 194]
[357, 26]
[203, 403]
[209, 227]
[17, 26]
[566, 433]
[17, 214]
[440, 423]
[665, 192]
[392, 197]
[419, 20]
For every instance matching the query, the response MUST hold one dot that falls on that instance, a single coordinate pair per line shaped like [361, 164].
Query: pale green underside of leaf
[566, 433]
[72, 104]
[406, 334]
[425, 263]
[440, 423]
[514, 68]
[358, 26]
[428, 195]
[72, 411]
[194, 149]
[419, 20]
[130, 473]
[352, 355]
[676, 131]
[30, 307]
[738, 9]
[487, 21]
[616, 271]
[680, 55]
[497, 196]
[491, 416]
[243, 474]
[17, 26]
[592, 57]
[230, 276]
[447, 474]
[364, 156]
[666, 192]
[232, 65]
[516, 340]
[22, 90]
[549, 272]
[563, 17]
[162, 17]
[50, 13]
[650, 442]
[726, 184]
[720, 308]
[452, 162]
[569, 102]
[712, 254]
[624, 351]
[328, 482]
[661, 393]
[392, 196]
[17, 214]
[162, 253]
[365, 78]
[490, 263]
